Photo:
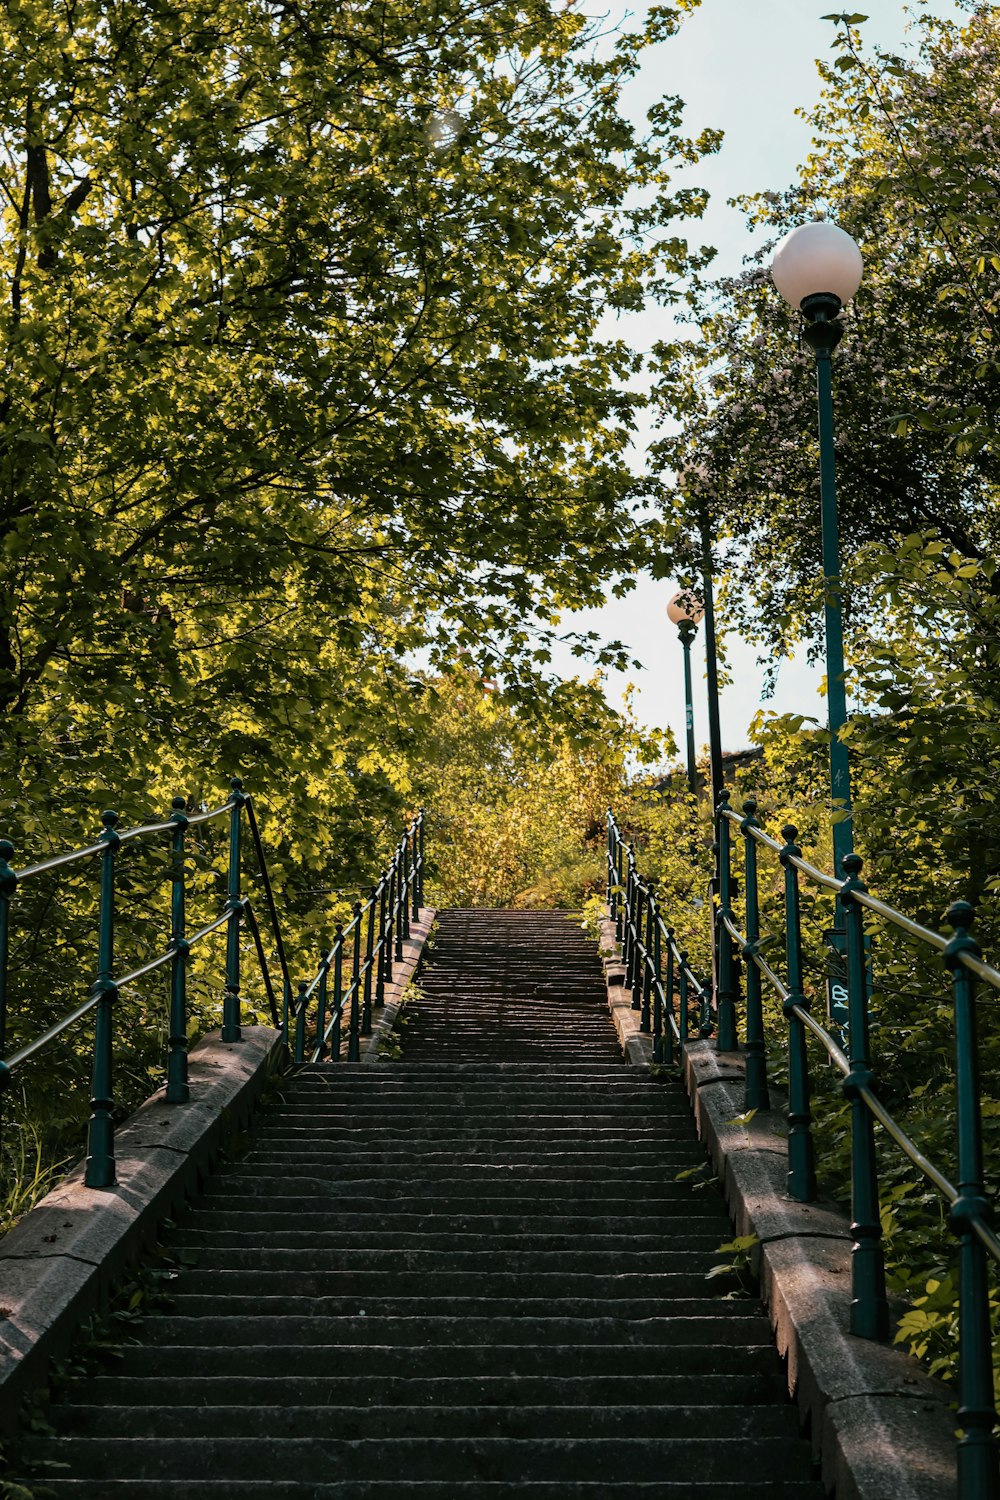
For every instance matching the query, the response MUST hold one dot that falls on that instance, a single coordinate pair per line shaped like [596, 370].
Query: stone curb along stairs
[880, 1425]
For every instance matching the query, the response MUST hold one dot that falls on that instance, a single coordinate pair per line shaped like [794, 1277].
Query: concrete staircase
[471, 1273]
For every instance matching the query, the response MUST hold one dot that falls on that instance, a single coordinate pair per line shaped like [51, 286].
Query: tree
[903, 159]
[300, 321]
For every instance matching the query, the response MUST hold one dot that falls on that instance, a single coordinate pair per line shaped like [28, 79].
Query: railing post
[801, 1151]
[422, 846]
[178, 1091]
[705, 1025]
[335, 1039]
[629, 912]
[231, 998]
[647, 958]
[977, 1447]
[399, 902]
[757, 1096]
[416, 871]
[869, 1309]
[726, 999]
[620, 882]
[657, 989]
[8, 885]
[404, 892]
[356, 987]
[384, 949]
[682, 977]
[354, 1015]
[638, 913]
[390, 919]
[369, 955]
[668, 1007]
[300, 1022]
[100, 1172]
[609, 862]
[286, 1008]
[321, 992]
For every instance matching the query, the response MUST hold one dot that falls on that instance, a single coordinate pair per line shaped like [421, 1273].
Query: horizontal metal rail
[397, 895]
[632, 903]
[968, 1207]
[871, 903]
[656, 968]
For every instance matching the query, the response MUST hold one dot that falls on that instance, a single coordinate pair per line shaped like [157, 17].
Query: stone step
[722, 1323]
[359, 1281]
[478, 1217]
[389, 1133]
[620, 1192]
[321, 1459]
[663, 1157]
[565, 1071]
[383, 1307]
[752, 1352]
[352, 1422]
[428, 1233]
[57, 1488]
[297, 1252]
[385, 1392]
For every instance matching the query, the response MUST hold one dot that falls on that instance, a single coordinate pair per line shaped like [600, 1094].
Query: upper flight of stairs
[472, 1273]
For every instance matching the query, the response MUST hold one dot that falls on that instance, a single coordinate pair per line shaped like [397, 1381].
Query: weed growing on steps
[738, 1265]
[390, 1047]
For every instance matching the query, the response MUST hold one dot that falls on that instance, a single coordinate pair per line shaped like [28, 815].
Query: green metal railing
[633, 904]
[371, 943]
[398, 893]
[656, 968]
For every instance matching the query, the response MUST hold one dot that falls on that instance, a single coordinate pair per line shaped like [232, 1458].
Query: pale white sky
[744, 66]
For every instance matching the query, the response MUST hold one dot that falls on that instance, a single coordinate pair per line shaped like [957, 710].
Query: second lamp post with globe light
[685, 611]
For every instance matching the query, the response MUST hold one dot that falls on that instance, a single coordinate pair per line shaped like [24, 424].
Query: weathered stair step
[384, 1392]
[505, 1219]
[381, 1307]
[309, 1460]
[408, 1489]
[372, 1359]
[475, 1165]
[442, 1332]
[352, 1422]
[295, 1254]
[458, 1187]
[359, 1281]
[274, 1235]
[423, 1233]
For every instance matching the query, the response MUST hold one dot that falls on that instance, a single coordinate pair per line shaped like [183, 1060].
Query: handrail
[969, 1214]
[384, 923]
[405, 875]
[655, 966]
[864, 898]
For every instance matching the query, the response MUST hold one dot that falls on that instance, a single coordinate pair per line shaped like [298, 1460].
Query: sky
[745, 67]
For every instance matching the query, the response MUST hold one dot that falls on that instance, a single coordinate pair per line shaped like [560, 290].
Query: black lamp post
[685, 610]
[817, 268]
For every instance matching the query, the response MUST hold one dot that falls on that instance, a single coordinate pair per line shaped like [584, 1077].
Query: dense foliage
[306, 424]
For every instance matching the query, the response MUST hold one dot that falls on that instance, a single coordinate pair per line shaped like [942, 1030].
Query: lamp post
[685, 610]
[817, 268]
